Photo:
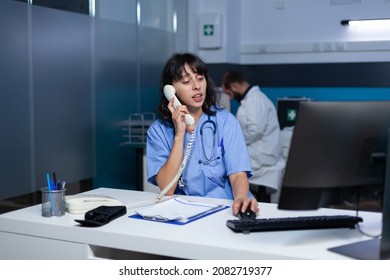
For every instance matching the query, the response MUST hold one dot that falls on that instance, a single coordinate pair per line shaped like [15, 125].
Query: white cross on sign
[208, 29]
[291, 114]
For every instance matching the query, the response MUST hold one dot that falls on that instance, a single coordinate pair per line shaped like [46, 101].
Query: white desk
[25, 234]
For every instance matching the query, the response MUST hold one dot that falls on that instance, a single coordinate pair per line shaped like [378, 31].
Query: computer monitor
[376, 248]
[337, 150]
[338, 146]
[287, 109]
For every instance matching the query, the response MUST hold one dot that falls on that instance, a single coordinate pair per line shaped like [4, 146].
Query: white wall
[293, 31]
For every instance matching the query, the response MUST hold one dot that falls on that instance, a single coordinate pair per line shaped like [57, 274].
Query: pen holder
[53, 202]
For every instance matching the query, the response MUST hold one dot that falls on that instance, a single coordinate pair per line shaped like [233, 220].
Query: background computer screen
[337, 153]
[287, 109]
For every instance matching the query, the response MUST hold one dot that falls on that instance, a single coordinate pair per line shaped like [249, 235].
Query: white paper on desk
[178, 209]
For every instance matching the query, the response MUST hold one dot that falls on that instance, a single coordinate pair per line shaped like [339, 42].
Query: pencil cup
[53, 202]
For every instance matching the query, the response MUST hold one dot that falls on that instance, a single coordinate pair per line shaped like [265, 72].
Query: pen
[55, 185]
[222, 147]
[48, 182]
[156, 219]
[49, 187]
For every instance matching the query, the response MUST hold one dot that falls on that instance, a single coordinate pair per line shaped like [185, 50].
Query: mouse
[247, 214]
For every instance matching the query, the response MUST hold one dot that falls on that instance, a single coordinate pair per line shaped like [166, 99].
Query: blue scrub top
[218, 151]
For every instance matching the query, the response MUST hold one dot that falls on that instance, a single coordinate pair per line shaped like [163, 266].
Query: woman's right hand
[178, 117]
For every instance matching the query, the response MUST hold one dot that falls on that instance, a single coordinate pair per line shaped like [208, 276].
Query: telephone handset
[81, 203]
[169, 92]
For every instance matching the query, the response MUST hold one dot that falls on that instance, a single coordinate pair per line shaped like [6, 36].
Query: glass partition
[68, 80]
[16, 149]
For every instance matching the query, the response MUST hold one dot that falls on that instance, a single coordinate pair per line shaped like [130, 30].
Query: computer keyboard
[293, 223]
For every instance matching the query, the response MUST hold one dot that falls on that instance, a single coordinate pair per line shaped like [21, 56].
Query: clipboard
[178, 211]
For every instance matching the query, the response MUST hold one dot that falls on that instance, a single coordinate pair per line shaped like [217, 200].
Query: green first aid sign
[208, 30]
[291, 114]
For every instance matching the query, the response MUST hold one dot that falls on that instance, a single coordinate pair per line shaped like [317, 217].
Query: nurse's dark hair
[173, 72]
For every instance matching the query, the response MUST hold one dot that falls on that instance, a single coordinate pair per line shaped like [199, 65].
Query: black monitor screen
[287, 109]
[336, 146]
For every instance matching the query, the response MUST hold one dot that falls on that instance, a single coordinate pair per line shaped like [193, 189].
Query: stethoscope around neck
[209, 157]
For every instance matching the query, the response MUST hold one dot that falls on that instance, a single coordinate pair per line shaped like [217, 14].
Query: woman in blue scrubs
[217, 163]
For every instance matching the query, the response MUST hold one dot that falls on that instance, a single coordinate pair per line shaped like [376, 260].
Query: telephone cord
[179, 172]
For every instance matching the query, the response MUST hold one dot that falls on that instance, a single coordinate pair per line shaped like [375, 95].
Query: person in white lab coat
[259, 122]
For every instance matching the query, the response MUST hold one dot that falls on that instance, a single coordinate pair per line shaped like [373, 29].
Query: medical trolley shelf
[135, 128]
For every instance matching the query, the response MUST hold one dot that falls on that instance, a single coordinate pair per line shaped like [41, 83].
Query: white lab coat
[259, 122]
